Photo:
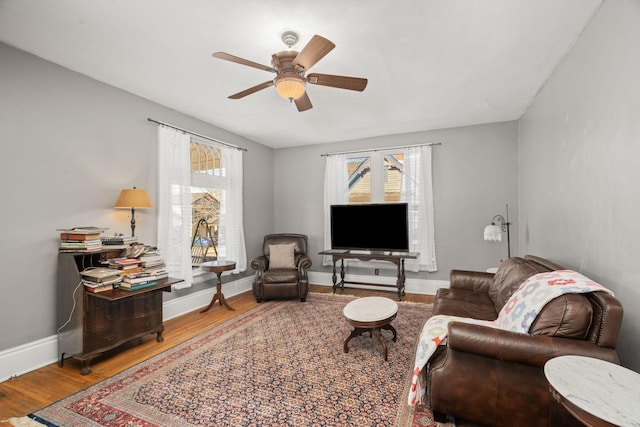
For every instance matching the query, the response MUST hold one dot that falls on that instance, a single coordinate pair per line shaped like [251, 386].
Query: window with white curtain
[393, 175]
[198, 180]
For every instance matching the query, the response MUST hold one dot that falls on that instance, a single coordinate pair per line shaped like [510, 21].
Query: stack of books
[140, 280]
[126, 265]
[152, 262]
[118, 242]
[80, 239]
[100, 279]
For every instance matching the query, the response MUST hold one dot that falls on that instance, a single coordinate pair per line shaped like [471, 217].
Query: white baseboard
[36, 354]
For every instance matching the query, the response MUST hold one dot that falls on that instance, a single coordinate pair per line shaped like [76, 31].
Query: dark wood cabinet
[92, 323]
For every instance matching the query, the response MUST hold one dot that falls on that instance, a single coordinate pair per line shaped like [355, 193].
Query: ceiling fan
[290, 68]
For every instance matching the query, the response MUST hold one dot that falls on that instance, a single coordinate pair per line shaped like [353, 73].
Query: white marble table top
[605, 390]
[370, 309]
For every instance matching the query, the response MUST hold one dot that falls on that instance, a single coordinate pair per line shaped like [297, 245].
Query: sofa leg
[258, 300]
[303, 299]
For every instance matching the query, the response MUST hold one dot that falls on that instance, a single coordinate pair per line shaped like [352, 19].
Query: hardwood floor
[37, 389]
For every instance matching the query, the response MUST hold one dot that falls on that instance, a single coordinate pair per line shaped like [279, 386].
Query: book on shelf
[79, 237]
[136, 278]
[100, 273]
[118, 240]
[83, 230]
[95, 284]
[98, 289]
[66, 244]
[151, 260]
[80, 250]
[127, 269]
[135, 286]
[123, 261]
[158, 273]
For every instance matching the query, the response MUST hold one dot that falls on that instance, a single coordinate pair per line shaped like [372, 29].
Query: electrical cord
[73, 308]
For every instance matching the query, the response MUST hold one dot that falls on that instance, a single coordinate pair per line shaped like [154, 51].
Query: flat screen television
[371, 227]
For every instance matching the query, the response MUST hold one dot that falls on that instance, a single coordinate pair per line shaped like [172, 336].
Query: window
[393, 175]
[198, 180]
[207, 173]
[382, 183]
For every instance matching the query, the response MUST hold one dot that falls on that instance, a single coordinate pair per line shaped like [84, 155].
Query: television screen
[373, 227]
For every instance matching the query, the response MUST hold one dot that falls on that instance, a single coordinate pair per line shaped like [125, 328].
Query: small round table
[595, 392]
[218, 267]
[370, 314]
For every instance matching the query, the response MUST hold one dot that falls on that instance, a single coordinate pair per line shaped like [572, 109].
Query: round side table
[595, 392]
[370, 314]
[218, 267]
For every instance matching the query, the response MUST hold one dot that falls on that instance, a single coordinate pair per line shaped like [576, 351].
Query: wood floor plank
[34, 390]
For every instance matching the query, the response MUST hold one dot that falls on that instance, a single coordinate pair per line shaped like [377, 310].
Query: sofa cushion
[567, 316]
[464, 303]
[509, 277]
[280, 275]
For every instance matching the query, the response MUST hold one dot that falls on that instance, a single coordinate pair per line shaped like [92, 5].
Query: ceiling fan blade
[242, 61]
[251, 90]
[303, 103]
[313, 52]
[340, 82]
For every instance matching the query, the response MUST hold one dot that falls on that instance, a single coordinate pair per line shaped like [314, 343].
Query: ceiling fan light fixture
[290, 87]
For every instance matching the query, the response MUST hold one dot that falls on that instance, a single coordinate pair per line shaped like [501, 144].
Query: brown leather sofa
[494, 377]
[282, 278]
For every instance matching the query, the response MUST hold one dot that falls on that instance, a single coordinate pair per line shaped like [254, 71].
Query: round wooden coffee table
[370, 314]
[218, 267]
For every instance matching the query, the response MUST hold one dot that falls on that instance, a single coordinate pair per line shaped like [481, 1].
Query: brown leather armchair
[282, 271]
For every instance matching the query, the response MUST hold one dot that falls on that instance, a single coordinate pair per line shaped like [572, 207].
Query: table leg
[354, 333]
[334, 277]
[377, 333]
[218, 296]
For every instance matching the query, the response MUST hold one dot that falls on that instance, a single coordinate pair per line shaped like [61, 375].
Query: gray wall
[474, 176]
[68, 145]
[579, 152]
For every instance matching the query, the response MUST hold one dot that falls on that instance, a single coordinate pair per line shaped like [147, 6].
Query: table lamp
[132, 198]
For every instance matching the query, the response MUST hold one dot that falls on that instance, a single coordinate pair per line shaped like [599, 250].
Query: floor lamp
[499, 225]
[133, 198]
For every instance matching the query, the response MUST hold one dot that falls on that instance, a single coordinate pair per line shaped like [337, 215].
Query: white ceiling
[430, 63]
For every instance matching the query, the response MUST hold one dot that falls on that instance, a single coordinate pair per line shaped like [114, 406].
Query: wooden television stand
[396, 258]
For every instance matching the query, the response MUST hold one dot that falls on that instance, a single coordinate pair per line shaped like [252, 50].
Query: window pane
[205, 204]
[359, 172]
[205, 159]
[393, 169]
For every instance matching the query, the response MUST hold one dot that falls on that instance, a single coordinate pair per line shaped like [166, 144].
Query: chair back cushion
[281, 245]
[282, 256]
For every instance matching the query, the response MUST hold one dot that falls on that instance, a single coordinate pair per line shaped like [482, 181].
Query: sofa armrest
[304, 263]
[473, 281]
[508, 346]
[260, 264]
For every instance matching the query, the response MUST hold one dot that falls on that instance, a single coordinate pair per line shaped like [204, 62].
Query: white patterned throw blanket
[517, 315]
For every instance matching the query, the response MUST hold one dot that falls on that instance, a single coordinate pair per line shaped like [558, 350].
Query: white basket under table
[371, 314]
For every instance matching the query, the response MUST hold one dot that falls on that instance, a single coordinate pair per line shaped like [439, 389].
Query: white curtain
[417, 191]
[336, 191]
[231, 231]
[174, 203]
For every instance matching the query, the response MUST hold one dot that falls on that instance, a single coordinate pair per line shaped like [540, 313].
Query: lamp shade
[290, 87]
[493, 232]
[133, 198]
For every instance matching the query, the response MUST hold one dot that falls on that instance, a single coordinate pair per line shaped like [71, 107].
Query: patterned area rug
[280, 364]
